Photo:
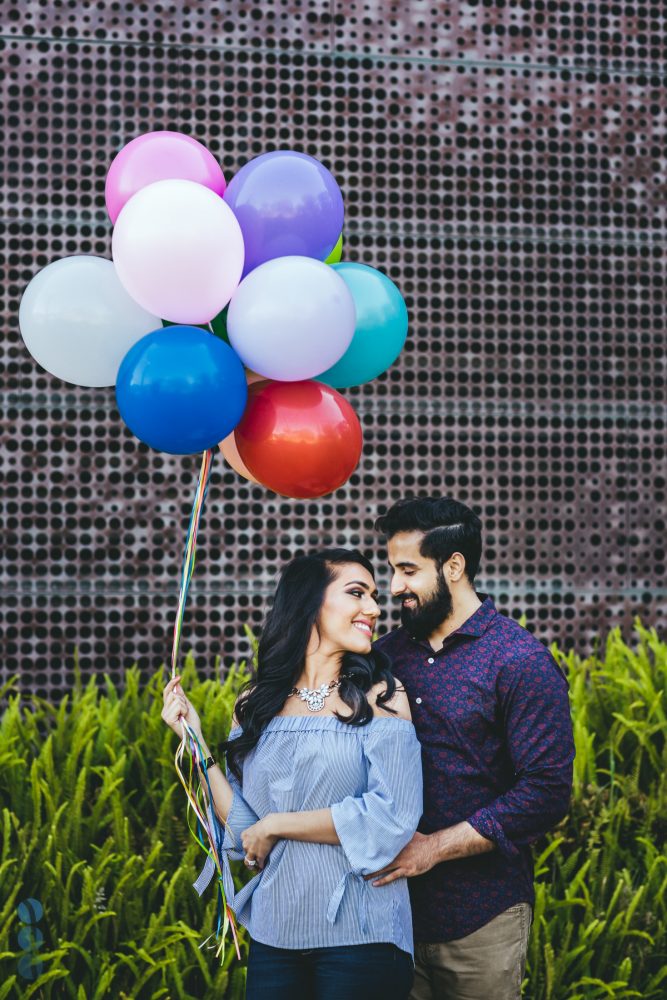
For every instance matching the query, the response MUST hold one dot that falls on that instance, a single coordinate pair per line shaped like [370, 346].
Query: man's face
[426, 601]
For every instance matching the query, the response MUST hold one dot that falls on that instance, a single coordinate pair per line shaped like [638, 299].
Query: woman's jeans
[355, 972]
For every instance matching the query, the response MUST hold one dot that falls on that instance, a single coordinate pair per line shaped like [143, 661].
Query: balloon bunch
[257, 264]
[226, 318]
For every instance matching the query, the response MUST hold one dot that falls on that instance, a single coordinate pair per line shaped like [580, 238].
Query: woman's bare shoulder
[399, 702]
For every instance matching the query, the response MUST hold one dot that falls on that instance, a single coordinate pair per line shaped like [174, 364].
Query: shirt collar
[478, 623]
[474, 626]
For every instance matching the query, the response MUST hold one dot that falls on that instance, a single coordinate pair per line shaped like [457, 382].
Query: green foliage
[93, 825]
[600, 922]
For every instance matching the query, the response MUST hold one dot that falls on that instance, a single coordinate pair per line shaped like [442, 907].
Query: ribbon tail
[206, 874]
[363, 908]
[336, 898]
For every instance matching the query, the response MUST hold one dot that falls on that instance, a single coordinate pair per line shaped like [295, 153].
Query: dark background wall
[505, 163]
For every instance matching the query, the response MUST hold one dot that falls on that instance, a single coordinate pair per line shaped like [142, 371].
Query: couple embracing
[387, 793]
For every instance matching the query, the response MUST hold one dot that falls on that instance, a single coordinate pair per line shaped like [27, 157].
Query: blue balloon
[181, 390]
[380, 331]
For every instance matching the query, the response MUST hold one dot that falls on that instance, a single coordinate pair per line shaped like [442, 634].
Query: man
[491, 710]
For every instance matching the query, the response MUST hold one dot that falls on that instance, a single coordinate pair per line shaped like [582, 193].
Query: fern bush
[600, 922]
[93, 826]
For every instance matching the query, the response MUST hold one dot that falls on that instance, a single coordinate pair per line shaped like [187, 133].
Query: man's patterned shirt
[491, 711]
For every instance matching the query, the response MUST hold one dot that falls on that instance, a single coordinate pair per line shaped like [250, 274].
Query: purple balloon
[287, 204]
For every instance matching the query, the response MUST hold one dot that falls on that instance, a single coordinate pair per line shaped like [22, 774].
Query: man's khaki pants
[486, 965]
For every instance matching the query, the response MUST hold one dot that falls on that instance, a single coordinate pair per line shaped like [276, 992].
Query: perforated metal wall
[505, 163]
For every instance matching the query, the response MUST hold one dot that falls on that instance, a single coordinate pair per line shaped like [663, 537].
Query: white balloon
[78, 321]
[291, 318]
[178, 250]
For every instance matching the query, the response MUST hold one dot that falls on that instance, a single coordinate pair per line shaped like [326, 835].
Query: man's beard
[422, 620]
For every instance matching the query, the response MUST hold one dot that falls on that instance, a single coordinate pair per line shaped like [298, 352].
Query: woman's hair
[281, 654]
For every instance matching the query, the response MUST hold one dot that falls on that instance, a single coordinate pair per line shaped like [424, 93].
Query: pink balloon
[230, 453]
[178, 246]
[228, 447]
[159, 156]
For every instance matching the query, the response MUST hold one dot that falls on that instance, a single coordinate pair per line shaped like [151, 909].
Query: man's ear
[454, 568]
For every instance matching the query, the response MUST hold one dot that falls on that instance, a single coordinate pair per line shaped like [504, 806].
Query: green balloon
[218, 325]
[337, 252]
[200, 326]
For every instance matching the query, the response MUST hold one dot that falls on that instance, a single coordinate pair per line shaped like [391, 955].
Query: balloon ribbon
[203, 810]
[189, 554]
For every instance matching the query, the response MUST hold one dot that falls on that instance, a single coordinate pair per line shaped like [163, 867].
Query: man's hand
[426, 851]
[417, 857]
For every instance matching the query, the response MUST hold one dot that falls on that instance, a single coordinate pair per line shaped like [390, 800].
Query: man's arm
[459, 841]
[538, 729]
[425, 851]
[533, 698]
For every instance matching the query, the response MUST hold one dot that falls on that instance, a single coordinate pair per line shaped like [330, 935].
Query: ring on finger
[250, 862]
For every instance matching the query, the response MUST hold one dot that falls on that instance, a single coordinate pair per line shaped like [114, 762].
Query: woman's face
[349, 611]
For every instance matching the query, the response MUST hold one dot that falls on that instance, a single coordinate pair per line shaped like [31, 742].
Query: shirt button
[430, 660]
[418, 701]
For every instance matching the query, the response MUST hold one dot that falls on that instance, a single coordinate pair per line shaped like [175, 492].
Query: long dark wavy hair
[282, 653]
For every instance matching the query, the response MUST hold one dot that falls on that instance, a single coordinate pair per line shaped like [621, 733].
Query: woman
[324, 787]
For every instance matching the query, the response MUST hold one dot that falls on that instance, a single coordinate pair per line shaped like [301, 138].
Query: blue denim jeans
[356, 972]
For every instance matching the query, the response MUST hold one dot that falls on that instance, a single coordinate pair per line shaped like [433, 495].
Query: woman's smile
[363, 626]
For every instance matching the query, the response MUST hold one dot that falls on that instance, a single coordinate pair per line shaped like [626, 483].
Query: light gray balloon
[78, 321]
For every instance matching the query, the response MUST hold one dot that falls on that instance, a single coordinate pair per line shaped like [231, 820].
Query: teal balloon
[380, 331]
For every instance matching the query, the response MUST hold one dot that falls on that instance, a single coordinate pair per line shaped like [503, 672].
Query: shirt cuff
[349, 829]
[485, 823]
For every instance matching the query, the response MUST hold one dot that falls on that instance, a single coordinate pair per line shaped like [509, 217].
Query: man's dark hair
[448, 526]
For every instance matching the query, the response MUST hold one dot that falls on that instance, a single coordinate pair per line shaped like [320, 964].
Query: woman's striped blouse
[314, 895]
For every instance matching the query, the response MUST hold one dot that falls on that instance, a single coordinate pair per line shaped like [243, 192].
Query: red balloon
[300, 439]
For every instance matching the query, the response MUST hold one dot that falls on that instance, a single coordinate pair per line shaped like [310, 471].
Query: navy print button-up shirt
[492, 714]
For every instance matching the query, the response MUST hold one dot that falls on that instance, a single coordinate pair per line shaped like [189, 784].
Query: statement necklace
[314, 698]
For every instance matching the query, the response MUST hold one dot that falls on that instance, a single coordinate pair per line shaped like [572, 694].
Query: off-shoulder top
[314, 895]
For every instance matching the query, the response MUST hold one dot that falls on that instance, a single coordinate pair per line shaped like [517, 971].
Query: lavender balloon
[287, 204]
[291, 319]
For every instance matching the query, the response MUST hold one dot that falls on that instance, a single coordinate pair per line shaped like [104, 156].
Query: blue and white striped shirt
[314, 895]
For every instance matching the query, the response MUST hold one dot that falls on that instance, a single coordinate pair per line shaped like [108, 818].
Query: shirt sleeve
[534, 702]
[240, 817]
[375, 826]
[227, 840]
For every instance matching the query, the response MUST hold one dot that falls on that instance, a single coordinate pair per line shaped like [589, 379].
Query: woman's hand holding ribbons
[177, 707]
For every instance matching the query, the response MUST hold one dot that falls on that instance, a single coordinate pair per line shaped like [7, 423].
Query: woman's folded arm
[372, 827]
